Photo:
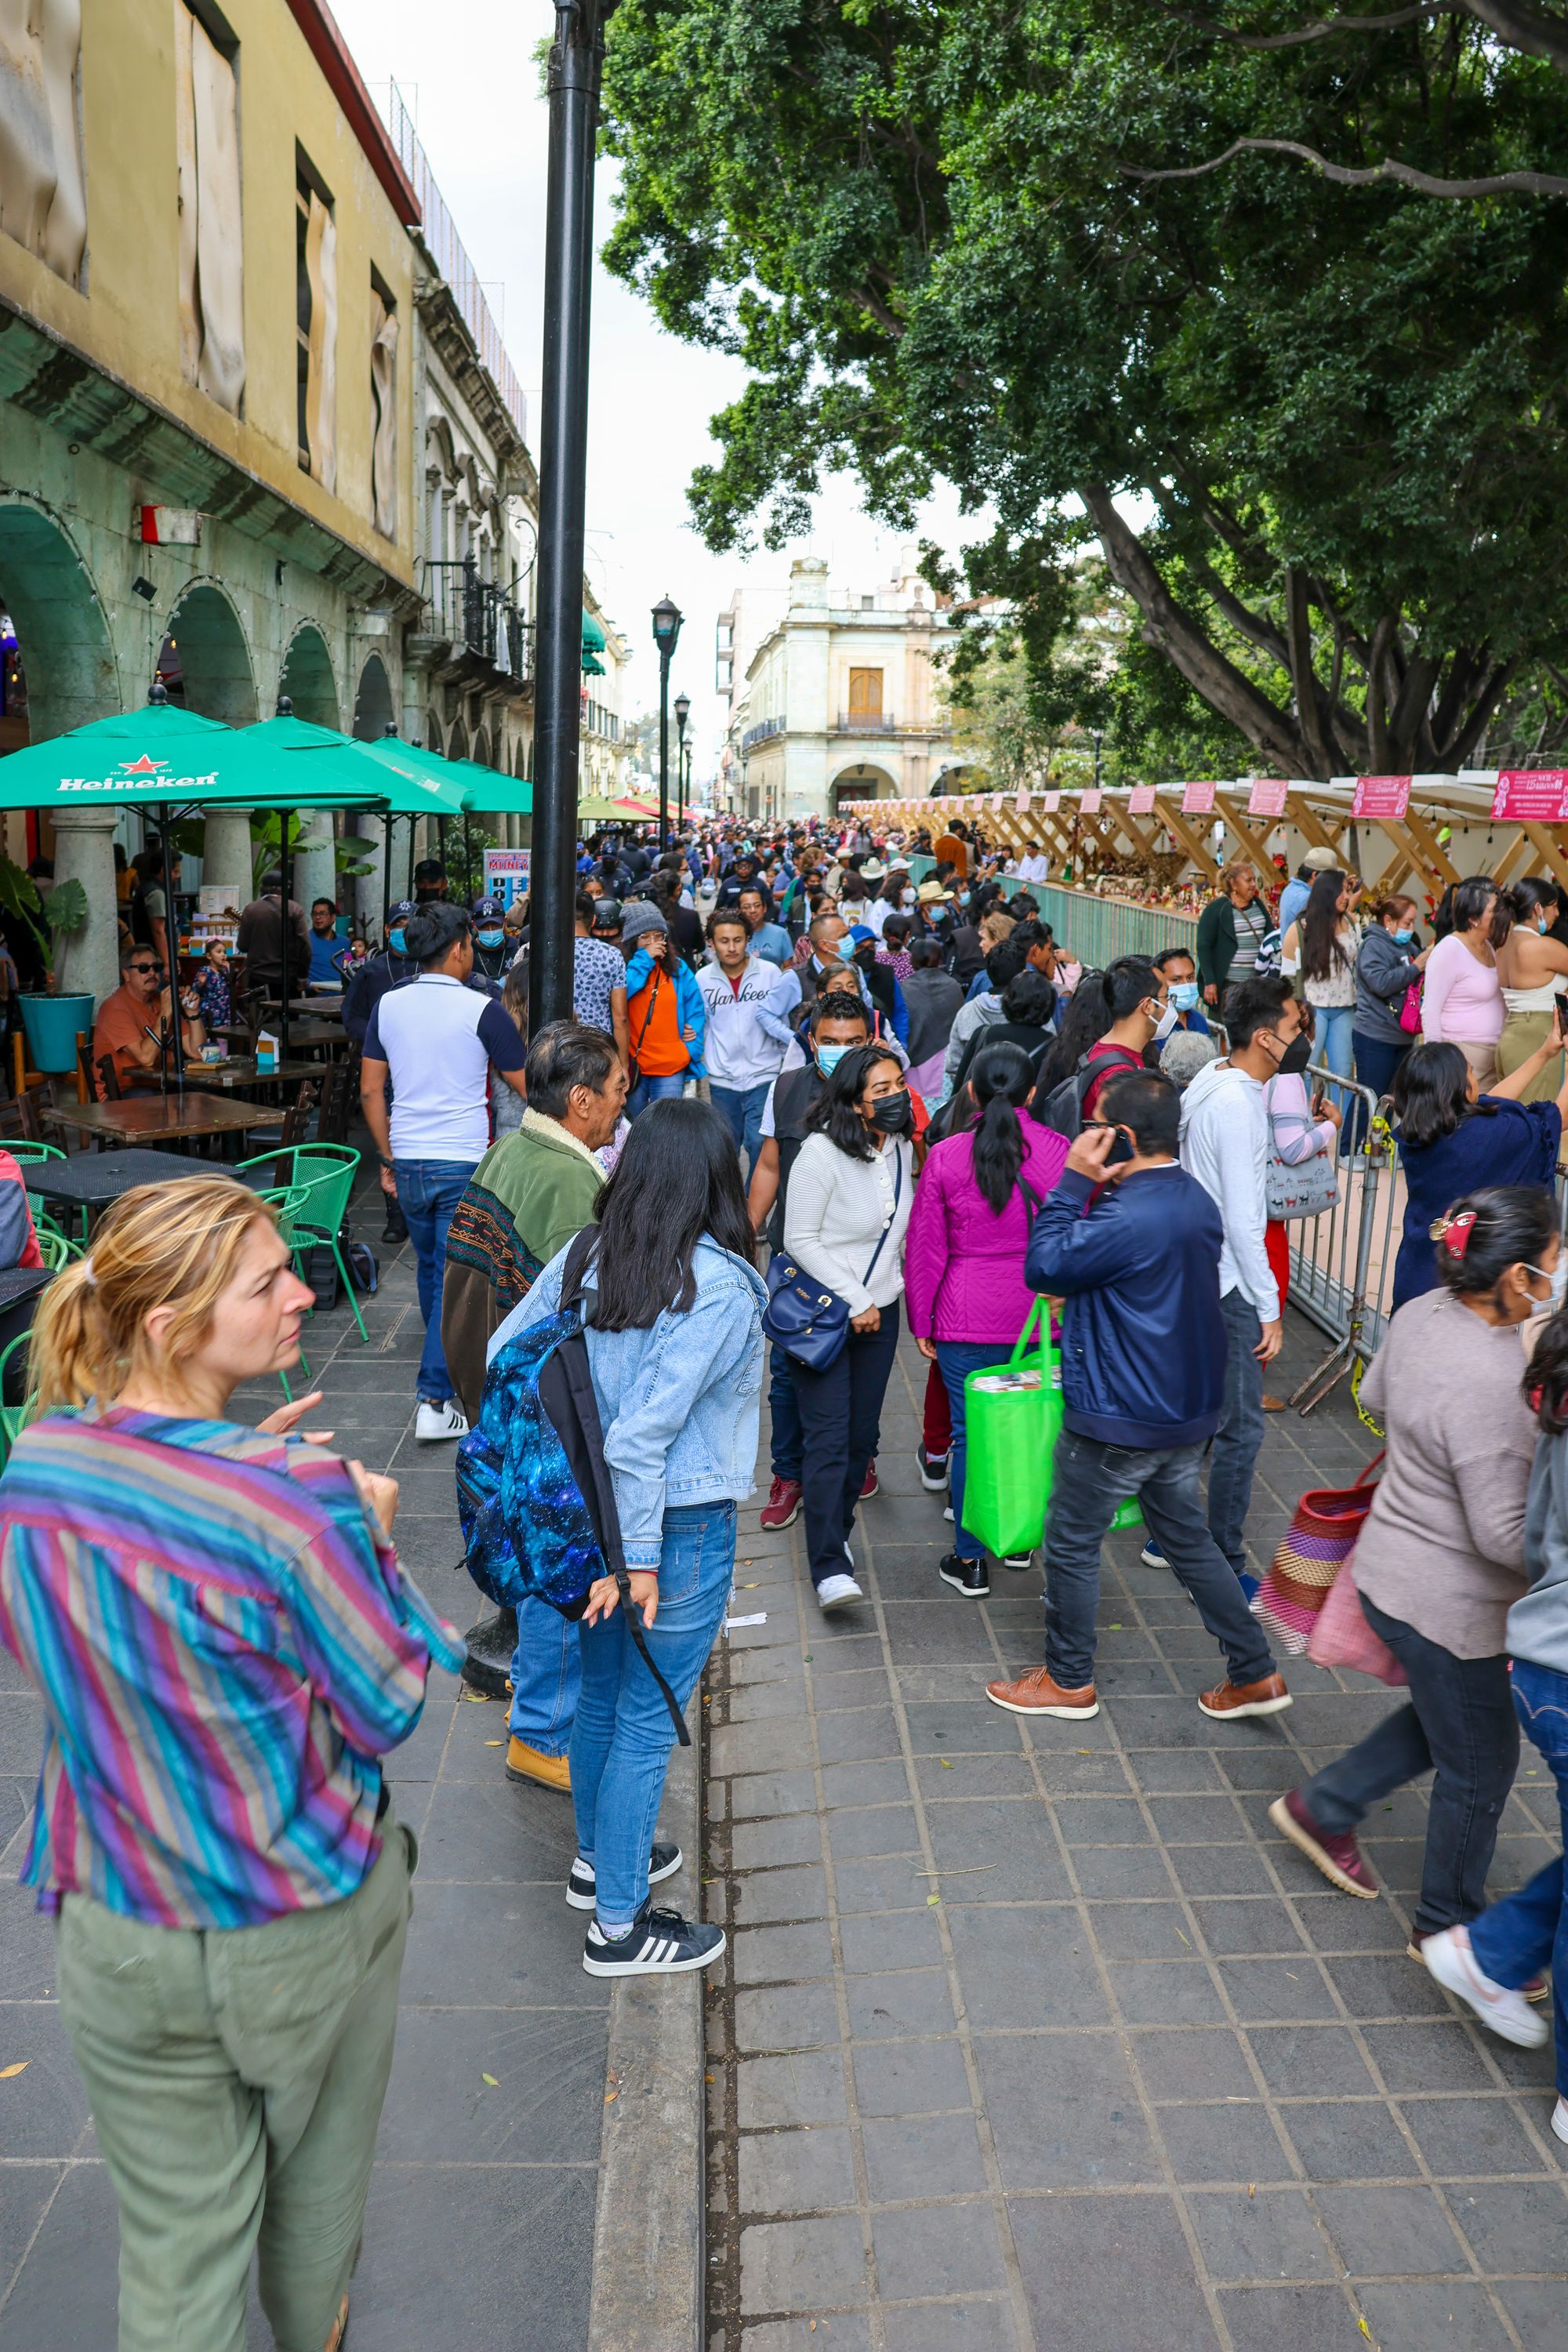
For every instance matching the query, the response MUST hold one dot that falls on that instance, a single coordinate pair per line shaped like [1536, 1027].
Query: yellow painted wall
[128, 320]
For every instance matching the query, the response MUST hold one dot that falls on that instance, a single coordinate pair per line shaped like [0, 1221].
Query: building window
[865, 694]
[867, 604]
[383, 407]
[210, 228]
[316, 323]
[43, 194]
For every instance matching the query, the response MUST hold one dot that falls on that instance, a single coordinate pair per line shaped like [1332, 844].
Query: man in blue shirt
[769, 939]
[325, 946]
[1132, 1246]
[1297, 891]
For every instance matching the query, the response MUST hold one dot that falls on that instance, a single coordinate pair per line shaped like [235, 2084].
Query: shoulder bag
[808, 1321]
[1304, 1189]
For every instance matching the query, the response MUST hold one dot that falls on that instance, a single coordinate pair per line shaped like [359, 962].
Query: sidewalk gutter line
[649, 2237]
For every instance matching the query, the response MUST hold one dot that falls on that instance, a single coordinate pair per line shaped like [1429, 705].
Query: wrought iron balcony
[866, 722]
[475, 616]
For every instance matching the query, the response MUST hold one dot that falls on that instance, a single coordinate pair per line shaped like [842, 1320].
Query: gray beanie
[640, 915]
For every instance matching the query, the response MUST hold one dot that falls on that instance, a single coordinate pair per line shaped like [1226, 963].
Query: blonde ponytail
[161, 1244]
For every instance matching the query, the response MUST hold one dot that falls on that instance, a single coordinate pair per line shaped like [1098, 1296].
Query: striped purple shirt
[226, 1646]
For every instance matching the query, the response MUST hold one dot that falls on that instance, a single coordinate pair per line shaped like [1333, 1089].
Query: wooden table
[300, 1033]
[240, 1072]
[331, 1008]
[152, 1119]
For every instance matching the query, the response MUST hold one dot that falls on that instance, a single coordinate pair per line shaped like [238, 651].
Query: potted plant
[51, 1021]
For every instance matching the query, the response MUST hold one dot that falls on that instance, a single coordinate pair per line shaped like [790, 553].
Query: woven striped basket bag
[1316, 1544]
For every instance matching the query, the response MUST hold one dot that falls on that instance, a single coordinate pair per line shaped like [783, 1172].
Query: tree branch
[1499, 184]
[1325, 28]
[1222, 685]
[1524, 27]
[1310, 707]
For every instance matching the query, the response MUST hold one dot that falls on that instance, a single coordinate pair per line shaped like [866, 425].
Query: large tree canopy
[1318, 429]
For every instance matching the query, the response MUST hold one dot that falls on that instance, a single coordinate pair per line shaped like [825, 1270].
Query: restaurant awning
[593, 646]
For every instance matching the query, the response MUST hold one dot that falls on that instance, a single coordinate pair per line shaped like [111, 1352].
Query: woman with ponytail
[963, 1264]
[1533, 972]
[226, 1648]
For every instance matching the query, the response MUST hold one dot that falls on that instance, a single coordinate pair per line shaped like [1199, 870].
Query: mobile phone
[1121, 1148]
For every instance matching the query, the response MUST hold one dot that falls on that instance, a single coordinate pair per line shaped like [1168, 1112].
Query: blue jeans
[1376, 1060]
[427, 1193]
[1528, 1931]
[955, 1359]
[788, 1441]
[742, 1107]
[546, 1673]
[1089, 1482]
[1459, 1717]
[651, 1090]
[623, 1735]
[1240, 1431]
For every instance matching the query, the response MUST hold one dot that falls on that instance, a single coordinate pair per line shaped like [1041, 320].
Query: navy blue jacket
[1143, 1341]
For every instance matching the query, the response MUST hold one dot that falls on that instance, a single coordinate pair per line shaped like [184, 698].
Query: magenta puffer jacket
[964, 1264]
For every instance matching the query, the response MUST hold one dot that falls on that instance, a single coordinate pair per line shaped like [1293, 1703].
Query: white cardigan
[835, 1211]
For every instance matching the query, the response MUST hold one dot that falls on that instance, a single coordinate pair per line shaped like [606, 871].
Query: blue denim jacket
[679, 1403]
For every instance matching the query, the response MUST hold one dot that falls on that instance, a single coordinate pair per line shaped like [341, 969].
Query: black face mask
[894, 1115]
[1295, 1058]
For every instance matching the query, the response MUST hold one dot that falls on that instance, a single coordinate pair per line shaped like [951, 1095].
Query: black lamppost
[576, 59]
[667, 619]
[682, 713]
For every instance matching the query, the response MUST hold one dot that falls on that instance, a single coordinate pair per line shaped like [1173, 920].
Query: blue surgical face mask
[1404, 936]
[829, 1056]
[491, 938]
[1184, 995]
[399, 942]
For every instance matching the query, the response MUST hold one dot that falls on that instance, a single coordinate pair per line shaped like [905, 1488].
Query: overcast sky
[467, 75]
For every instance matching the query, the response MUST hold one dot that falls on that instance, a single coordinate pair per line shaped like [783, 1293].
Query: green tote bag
[1012, 1415]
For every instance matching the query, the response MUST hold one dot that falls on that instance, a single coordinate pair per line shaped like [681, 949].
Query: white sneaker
[1152, 1556]
[1560, 2119]
[437, 1421]
[837, 1592]
[1509, 2015]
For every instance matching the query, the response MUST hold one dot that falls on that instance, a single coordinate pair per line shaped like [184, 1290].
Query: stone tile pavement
[1038, 2035]
[480, 2225]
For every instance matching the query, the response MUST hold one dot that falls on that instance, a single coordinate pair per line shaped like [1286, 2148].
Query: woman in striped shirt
[225, 1648]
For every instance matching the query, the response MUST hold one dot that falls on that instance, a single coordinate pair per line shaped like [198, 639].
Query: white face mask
[1165, 1024]
[1558, 1278]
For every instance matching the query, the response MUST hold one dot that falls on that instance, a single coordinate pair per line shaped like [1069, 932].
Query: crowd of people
[930, 1114]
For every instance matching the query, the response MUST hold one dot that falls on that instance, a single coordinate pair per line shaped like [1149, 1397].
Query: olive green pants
[235, 2077]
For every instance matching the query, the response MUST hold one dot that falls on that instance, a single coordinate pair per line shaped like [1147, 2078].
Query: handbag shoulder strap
[652, 1001]
[887, 1229]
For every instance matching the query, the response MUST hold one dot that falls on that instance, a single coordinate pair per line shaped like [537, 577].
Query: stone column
[87, 963]
[367, 889]
[315, 873]
[226, 855]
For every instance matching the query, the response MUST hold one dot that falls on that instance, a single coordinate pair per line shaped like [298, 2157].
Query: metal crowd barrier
[1341, 1260]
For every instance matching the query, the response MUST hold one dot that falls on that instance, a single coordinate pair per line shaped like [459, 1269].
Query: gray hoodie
[1225, 1144]
[1537, 1625]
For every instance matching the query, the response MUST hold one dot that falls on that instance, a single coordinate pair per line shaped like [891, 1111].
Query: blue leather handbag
[803, 1318]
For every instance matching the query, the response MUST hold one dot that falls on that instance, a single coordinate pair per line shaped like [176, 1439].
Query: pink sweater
[964, 1264]
[1462, 999]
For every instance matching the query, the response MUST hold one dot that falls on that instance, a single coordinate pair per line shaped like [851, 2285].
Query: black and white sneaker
[932, 1468]
[970, 1576]
[1018, 1562]
[657, 1942]
[663, 1862]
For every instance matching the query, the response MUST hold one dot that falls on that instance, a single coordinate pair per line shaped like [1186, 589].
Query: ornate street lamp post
[667, 620]
[682, 713]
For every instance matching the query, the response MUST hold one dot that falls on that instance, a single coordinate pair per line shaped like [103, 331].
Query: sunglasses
[145, 967]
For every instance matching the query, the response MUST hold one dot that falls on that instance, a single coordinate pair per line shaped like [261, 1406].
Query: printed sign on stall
[1051, 803]
[1090, 804]
[1022, 803]
[1380, 796]
[1140, 800]
[1198, 800]
[506, 874]
[1532, 795]
[1266, 797]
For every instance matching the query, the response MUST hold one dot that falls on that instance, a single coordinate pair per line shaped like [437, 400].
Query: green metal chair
[57, 1248]
[14, 1418]
[326, 1172]
[22, 1151]
[287, 1201]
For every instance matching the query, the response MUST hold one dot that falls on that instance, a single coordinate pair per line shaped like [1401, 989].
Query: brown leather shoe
[1272, 1404]
[525, 1763]
[1037, 1694]
[1268, 1697]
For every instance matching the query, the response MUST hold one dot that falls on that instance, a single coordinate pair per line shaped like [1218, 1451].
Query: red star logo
[143, 766]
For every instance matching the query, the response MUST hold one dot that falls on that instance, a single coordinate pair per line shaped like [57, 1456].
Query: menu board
[1532, 795]
[1198, 800]
[1140, 800]
[1380, 796]
[1266, 797]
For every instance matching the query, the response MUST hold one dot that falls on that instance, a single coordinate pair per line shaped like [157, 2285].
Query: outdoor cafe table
[19, 1281]
[300, 1033]
[240, 1072]
[157, 1119]
[329, 1007]
[93, 1180]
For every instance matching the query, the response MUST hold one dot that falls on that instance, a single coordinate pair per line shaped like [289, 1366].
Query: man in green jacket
[531, 1191]
[1231, 929]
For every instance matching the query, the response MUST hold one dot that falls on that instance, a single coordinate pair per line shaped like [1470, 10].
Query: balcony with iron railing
[883, 722]
[477, 617]
[761, 734]
[597, 720]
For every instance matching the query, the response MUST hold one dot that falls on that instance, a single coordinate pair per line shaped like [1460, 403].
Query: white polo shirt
[438, 1039]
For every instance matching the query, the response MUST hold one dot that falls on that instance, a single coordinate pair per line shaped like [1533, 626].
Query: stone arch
[306, 676]
[438, 436]
[863, 781]
[482, 750]
[432, 732]
[458, 741]
[520, 758]
[205, 661]
[64, 647]
[374, 711]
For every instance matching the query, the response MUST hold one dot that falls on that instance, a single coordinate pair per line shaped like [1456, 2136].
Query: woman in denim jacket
[673, 1313]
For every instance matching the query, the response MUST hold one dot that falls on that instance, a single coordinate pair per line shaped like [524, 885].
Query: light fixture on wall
[144, 589]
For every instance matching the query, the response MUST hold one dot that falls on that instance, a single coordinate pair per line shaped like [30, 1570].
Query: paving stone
[1235, 2141]
[1146, 2300]
[1006, 1854]
[845, 2331]
[1176, 1992]
[910, 2156]
[757, 1794]
[900, 1940]
[1508, 2222]
[808, 2089]
[1460, 2137]
[784, 1954]
[787, 2017]
[794, 2265]
[907, 2078]
[1121, 1871]
[963, 2325]
[764, 1845]
[859, 1834]
[1426, 2317]
[1003, 1950]
[1273, 2234]
[796, 2171]
[865, 1784]
[1307, 2319]
[931, 2250]
[858, 1738]
[1299, 2060]
[1383, 2229]
[1349, 2140]
[886, 2008]
[771, 1895]
[1064, 2111]
[1185, 2064]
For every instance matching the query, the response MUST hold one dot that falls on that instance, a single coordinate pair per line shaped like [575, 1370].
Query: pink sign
[1051, 803]
[1022, 803]
[1140, 800]
[1266, 797]
[1379, 796]
[1198, 800]
[1532, 795]
[1090, 804]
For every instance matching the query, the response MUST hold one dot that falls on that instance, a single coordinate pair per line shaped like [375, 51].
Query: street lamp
[667, 619]
[575, 61]
[682, 713]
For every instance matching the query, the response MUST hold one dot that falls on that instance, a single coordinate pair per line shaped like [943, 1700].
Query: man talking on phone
[1131, 1244]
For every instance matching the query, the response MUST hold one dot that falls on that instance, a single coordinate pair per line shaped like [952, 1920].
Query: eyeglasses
[144, 967]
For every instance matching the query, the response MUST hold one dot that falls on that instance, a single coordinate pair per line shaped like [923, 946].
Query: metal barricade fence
[1341, 1260]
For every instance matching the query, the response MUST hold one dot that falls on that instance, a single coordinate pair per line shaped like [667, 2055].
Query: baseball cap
[487, 906]
[401, 911]
[1321, 861]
